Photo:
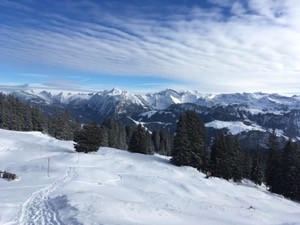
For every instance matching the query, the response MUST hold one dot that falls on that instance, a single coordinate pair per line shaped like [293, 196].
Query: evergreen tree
[27, 126]
[274, 164]
[104, 136]
[156, 140]
[227, 161]
[162, 142]
[141, 141]
[38, 121]
[61, 126]
[129, 131]
[237, 160]
[217, 155]
[256, 169]
[247, 164]
[226, 158]
[165, 146]
[116, 134]
[15, 115]
[88, 139]
[189, 147]
[290, 171]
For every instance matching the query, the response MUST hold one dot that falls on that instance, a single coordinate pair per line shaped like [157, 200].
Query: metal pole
[49, 167]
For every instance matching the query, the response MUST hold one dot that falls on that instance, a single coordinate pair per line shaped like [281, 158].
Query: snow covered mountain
[237, 113]
[256, 102]
[117, 187]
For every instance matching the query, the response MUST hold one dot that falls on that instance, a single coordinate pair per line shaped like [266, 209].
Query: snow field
[116, 187]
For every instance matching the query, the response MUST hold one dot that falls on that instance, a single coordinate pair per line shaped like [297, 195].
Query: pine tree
[237, 161]
[165, 146]
[88, 139]
[37, 118]
[162, 142]
[247, 164]
[274, 164]
[61, 126]
[116, 134]
[129, 131]
[141, 141]
[290, 171]
[156, 140]
[181, 152]
[226, 158]
[256, 169]
[104, 136]
[227, 161]
[189, 146]
[217, 156]
[15, 115]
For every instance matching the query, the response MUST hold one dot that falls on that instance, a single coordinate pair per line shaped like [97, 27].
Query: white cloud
[221, 3]
[257, 49]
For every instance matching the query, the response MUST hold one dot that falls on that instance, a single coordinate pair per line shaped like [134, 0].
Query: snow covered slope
[234, 127]
[117, 187]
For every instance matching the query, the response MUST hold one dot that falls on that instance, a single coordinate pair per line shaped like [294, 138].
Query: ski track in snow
[37, 209]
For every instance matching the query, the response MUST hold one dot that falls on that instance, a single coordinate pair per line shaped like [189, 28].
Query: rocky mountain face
[248, 115]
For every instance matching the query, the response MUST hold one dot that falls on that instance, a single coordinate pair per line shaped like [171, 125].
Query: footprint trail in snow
[38, 209]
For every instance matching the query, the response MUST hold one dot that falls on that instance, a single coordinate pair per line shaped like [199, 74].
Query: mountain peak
[115, 91]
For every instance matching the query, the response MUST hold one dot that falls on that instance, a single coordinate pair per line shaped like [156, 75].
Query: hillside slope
[117, 187]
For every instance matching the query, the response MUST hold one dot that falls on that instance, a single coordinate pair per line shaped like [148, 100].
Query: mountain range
[249, 116]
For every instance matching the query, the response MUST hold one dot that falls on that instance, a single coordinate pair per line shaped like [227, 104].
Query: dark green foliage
[129, 131]
[88, 139]
[156, 140]
[61, 126]
[15, 115]
[274, 164]
[189, 146]
[257, 170]
[217, 156]
[162, 142]
[246, 164]
[116, 134]
[290, 171]
[283, 169]
[226, 158]
[141, 142]
[236, 156]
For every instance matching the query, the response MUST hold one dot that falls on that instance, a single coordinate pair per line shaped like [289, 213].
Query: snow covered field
[113, 187]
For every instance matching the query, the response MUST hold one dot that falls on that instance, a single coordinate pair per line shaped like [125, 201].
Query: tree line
[19, 116]
[113, 134]
[278, 168]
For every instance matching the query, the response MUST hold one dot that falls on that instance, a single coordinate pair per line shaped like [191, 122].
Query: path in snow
[38, 209]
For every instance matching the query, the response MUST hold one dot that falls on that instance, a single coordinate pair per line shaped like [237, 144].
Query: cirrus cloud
[243, 46]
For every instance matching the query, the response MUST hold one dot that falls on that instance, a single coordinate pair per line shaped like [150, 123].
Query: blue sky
[211, 46]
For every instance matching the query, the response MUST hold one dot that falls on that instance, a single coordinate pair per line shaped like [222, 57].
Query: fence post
[48, 167]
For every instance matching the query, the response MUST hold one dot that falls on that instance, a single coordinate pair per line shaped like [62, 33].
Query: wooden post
[48, 166]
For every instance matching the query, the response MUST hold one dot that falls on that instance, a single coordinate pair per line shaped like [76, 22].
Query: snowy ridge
[116, 187]
[234, 127]
[256, 102]
[164, 99]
